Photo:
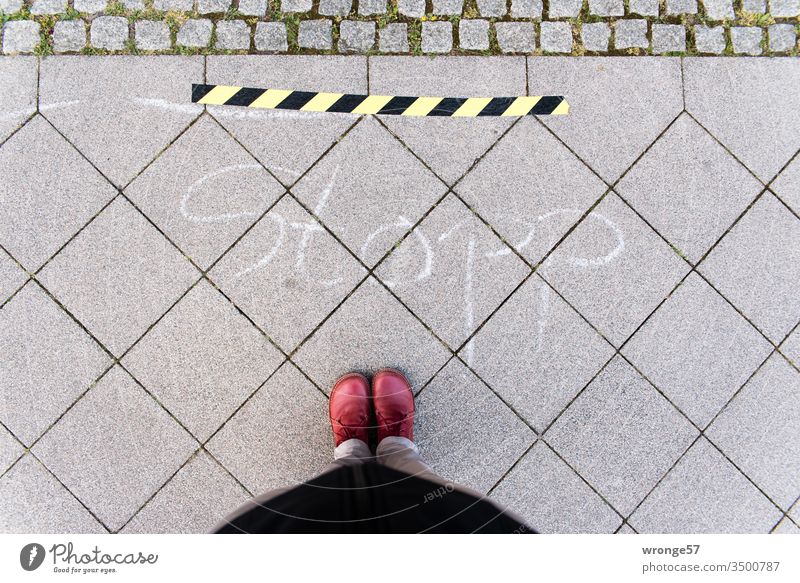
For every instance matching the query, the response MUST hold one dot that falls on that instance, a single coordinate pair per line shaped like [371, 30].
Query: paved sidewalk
[599, 312]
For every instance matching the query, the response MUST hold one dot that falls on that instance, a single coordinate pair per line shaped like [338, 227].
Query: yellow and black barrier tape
[379, 104]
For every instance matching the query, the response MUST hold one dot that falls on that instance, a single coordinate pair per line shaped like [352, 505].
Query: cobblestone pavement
[599, 312]
[620, 27]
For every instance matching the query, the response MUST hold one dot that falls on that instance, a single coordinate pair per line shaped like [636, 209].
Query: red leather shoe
[394, 404]
[349, 408]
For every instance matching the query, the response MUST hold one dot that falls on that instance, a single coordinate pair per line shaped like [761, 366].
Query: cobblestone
[669, 38]
[412, 8]
[782, 37]
[595, 36]
[526, 9]
[315, 34]
[393, 38]
[784, 8]
[681, 6]
[630, 34]
[356, 36]
[253, 7]
[564, 8]
[754, 6]
[296, 5]
[233, 35]
[644, 7]
[195, 32]
[109, 32]
[437, 37]
[41, 7]
[515, 37]
[10, 6]
[473, 35]
[448, 7]
[718, 9]
[335, 7]
[490, 8]
[69, 36]
[709, 39]
[89, 6]
[370, 7]
[271, 37]
[607, 7]
[177, 5]
[213, 6]
[152, 35]
[746, 40]
[556, 37]
[20, 36]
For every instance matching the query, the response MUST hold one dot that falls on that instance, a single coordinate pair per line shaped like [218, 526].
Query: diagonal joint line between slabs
[287, 185]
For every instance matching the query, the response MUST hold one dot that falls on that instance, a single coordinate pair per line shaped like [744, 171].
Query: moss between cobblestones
[751, 19]
[415, 37]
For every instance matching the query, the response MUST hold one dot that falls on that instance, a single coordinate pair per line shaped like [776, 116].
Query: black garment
[371, 498]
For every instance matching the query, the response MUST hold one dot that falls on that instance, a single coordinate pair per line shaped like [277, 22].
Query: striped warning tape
[379, 104]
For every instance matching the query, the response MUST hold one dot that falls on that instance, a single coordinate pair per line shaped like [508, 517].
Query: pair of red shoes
[352, 406]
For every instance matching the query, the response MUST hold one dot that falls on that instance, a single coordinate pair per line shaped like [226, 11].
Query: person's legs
[350, 414]
[350, 452]
[393, 401]
[402, 454]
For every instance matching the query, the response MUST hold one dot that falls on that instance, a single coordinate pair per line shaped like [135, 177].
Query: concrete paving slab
[705, 493]
[697, 349]
[202, 360]
[62, 192]
[749, 105]
[760, 430]
[32, 501]
[625, 529]
[48, 361]
[12, 276]
[452, 271]
[621, 435]
[791, 347]
[464, 432]
[18, 76]
[288, 273]
[537, 353]
[281, 437]
[757, 267]
[118, 276]
[115, 420]
[204, 191]
[552, 498]
[10, 449]
[371, 330]
[287, 142]
[369, 190]
[786, 526]
[787, 185]
[614, 269]
[192, 502]
[689, 188]
[531, 189]
[119, 123]
[448, 145]
[618, 105]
